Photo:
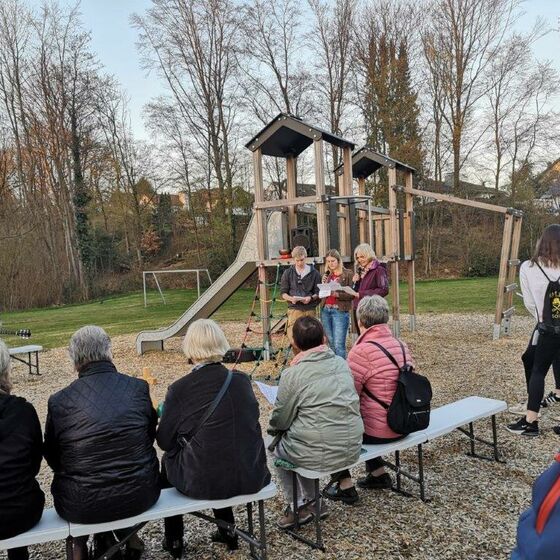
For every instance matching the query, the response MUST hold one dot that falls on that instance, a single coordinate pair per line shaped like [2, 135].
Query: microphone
[355, 284]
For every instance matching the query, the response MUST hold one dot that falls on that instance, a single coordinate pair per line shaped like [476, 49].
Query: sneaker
[288, 520]
[524, 428]
[551, 399]
[232, 542]
[175, 547]
[347, 496]
[381, 482]
[520, 409]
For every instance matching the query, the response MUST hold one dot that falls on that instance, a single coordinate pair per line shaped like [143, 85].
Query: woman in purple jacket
[370, 278]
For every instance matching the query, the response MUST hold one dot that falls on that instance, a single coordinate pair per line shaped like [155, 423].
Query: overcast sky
[113, 39]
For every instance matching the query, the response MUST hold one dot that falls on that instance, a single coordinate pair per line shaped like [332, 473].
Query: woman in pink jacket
[373, 372]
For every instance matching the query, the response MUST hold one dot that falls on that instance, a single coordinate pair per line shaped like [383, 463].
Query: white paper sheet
[269, 391]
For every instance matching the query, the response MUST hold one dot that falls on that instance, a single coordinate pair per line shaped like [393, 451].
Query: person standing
[540, 286]
[299, 287]
[370, 278]
[21, 498]
[335, 309]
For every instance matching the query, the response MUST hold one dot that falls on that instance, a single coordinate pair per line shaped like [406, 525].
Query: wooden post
[394, 250]
[343, 233]
[321, 206]
[291, 181]
[362, 215]
[506, 244]
[409, 250]
[346, 191]
[512, 273]
[262, 250]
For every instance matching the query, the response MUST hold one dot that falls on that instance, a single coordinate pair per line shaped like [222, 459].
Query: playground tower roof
[367, 161]
[287, 135]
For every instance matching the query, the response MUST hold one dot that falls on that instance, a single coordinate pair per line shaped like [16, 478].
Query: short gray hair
[366, 250]
[5, 366]
[299, 252]
[89, 344]
[205, 342]
[372, 310]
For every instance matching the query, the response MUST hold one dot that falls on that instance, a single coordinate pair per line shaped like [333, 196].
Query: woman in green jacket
[317, 413]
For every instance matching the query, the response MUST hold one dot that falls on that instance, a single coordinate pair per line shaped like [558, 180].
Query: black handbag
[185, 439]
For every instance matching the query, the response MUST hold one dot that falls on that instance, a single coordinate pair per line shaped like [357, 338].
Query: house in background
[549, 188]
[471, 191]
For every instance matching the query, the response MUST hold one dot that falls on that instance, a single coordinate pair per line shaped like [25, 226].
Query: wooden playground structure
[349, 218]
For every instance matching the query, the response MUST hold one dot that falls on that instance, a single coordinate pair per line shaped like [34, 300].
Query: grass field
[124, 314]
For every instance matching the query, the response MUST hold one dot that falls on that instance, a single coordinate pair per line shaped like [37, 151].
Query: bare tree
[460, 40]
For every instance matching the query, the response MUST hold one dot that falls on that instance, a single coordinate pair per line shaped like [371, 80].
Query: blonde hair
[299, 252]
[366, 250]
[5, 384]
[205, 342]
[333, 253]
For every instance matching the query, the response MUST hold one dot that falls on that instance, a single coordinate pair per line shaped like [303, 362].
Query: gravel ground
[474, 504]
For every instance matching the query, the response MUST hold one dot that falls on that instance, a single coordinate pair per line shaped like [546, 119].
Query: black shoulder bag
[409, 411]
[184, 440]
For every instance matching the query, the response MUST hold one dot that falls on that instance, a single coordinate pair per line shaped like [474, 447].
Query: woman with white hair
[210, 433]
[21, 498]
[99, 441]
[370, 278]
[375, 375]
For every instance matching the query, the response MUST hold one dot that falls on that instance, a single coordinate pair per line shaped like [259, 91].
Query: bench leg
[421, 473]
[37, 363]
[398, 468]
[69, 548]
[492, 444]
[400, 472]
[250, 527]
[262, 530]
[318, 543]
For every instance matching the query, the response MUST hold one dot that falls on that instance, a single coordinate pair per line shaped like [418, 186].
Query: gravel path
[474, 504]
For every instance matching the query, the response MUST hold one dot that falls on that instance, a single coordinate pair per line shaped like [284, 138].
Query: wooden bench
[171, 502]
[443, 420]
[32, 352]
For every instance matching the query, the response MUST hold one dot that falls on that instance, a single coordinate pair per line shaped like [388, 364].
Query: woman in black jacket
[223, 457]
[99, 441]
[21, 498]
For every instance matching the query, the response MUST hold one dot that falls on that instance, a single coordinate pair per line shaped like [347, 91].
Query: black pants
[174, 526]
[371, 464]
[546, 352]
[18, 553]
[528, 359]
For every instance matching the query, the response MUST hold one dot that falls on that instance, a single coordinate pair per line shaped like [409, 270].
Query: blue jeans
[335, 323]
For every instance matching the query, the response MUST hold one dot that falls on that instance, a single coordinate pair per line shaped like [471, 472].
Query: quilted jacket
[226, 457]
[317, 408]
[374, 282]
[372, 369]
[99, 442]
[21, 498]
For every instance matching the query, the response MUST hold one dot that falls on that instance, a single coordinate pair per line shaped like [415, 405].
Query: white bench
[443, 420]
[171, 502]
[32, 352]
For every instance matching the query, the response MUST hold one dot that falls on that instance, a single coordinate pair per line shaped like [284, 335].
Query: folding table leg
[318, 532]
[471, 436]
[495, 439]
[250, 527]
[421, 473]
[262, 530]
[398, 469]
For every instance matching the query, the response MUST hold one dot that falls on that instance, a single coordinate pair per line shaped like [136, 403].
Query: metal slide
[218, 292]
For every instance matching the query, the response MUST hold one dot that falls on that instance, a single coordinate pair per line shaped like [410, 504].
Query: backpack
[551, 307]
[409, 410]
[538, 531]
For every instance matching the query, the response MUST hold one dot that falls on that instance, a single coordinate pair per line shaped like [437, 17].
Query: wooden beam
[319, 161]
[362, 216]
[262, 248]
[346, 190]
[394, 251]
[267, 204]
[409, 251]
[291, 194]
[502, 277]
[513, 261]
[457, 200]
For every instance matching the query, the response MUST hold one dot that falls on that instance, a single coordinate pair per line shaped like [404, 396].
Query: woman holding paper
[335, 308]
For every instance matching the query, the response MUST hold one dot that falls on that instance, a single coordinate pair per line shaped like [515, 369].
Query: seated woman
[317, 415]
[21, 441]
[221, 457]
[99, 441]
[373, 373]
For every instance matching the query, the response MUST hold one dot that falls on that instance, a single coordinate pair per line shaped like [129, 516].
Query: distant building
[549, 187]
[471, 191]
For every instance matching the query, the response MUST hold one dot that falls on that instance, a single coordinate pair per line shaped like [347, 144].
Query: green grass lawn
[53, 326]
